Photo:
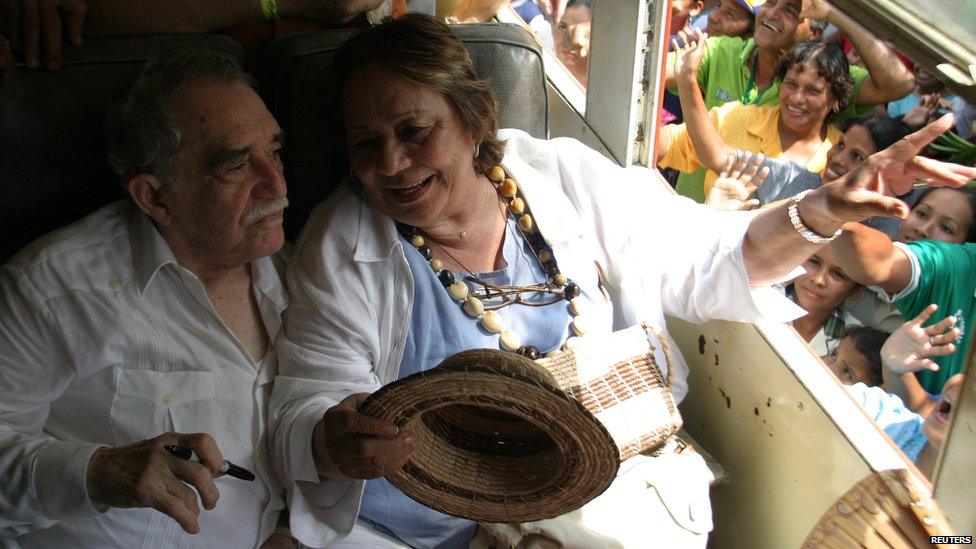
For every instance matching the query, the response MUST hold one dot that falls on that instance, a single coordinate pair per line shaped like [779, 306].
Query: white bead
[417, 241]
[553, 353]
[559, 279]
[474, 307]
[570, 343]
[436, 264]
[492, 321]
[511, 340]
[458, 291]
[526, 223]
[577, 305]
[580, 325]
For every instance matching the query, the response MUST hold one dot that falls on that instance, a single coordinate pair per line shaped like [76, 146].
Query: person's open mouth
[771, 26]
[795, 113]
[942, 413]
[413, 192]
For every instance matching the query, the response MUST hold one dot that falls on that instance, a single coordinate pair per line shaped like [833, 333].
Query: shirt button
[115, 283]
[167, 399]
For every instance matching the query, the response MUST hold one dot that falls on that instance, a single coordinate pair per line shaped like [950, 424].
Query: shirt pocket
[148, 403]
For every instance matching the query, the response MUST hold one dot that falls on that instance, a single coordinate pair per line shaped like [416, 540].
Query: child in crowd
[919, 437]
[857, 357]
[820, 291]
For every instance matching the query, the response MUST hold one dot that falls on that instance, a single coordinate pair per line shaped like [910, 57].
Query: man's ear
[145, 190]
[696, 7]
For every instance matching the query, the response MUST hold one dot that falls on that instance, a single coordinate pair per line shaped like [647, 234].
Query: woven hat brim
[496, 443]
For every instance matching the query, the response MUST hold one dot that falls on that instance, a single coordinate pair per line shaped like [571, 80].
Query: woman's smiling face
[805, 99]
[848, 153]
[407, 147]
[943, 214]
[824, 286]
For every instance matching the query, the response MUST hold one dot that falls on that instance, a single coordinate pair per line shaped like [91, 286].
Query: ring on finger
[920, 182]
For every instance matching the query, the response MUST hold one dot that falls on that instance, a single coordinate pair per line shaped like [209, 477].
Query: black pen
[235, 471]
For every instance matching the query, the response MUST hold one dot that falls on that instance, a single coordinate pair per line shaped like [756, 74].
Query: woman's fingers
[922, 364]
[729, 161]
[923, 316]
[750, 204]
[941, 326]
[915, 142]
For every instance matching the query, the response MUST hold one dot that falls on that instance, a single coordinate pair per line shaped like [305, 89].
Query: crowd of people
[860, 287]
[177, 322]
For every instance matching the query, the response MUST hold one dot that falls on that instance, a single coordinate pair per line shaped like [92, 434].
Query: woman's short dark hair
[831, 65]
[884, 131]
[970, 196]
[868, 342]
[424, 51]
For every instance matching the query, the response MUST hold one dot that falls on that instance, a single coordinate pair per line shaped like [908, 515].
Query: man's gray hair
[142, 133]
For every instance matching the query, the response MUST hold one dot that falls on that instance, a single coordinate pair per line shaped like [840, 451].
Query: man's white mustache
[265, 209]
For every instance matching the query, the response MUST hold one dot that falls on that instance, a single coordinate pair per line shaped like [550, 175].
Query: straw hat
[498, 440]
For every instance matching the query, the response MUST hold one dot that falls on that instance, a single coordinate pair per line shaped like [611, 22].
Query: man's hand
[36, 28]
[816, 10]
[924, 112]
[326, 11]
[738, 180]
[357, 445]
[146, 475]
[908, 349]
[688, 57]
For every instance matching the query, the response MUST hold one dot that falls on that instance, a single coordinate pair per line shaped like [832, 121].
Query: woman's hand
[738, 180]
[347, 444]
[870, 189]
[688, 55]
[908, 349]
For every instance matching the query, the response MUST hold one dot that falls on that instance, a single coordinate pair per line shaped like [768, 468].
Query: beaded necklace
[472, 302]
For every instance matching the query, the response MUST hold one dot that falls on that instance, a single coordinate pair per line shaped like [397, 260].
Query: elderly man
[150, 323]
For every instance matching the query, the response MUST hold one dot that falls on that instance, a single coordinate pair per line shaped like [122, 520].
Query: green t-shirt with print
[725, 75]
[947, 277]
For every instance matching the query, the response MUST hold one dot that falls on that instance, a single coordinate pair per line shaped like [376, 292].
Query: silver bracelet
[801, 227]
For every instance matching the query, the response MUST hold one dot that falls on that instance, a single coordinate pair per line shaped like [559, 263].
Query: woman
[821, 291]
[380, 277]
[816, 82]
[947, 215]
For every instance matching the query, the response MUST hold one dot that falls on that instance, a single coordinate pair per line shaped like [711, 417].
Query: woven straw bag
[617, 379]
[501, 438]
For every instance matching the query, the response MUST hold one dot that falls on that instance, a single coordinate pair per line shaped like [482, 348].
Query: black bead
[446, 277]
[528, 352]
[426, 252]
[571, 290]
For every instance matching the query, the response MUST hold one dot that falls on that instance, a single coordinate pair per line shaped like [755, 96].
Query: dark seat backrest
[297, 68]
[52, 144]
